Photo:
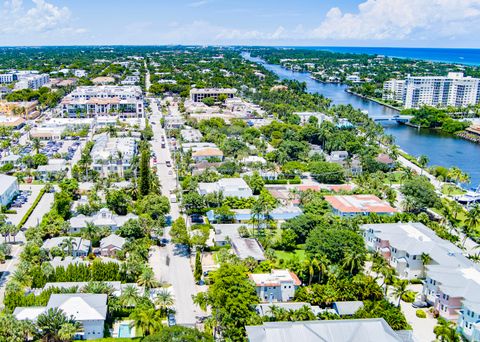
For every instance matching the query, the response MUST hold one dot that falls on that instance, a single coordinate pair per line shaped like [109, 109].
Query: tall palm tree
[97, 287]
[425, 257]
[399, 289]
[423, 161]
[129, 296]
[353, 261]
[36, 144]
[164, 301]
[68, 244]
[89, 232]
[147, 279]
[147, 320]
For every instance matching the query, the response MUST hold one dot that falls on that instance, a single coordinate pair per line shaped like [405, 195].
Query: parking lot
[21, 211]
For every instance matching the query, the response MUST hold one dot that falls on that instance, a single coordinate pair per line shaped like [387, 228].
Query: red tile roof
[359, 204]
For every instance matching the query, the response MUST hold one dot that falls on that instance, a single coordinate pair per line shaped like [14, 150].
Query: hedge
[31, 209]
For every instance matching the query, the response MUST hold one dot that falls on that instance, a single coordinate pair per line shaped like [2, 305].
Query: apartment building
[439, 91]
[91, 101]
[394, 90]
[31, 81]
[8, 78]
[112, 155]
[452, 281]
[402, 245]
[197, 95]
[276, 286]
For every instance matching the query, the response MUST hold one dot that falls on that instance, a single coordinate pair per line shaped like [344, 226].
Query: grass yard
[298, 253]
[452, 190]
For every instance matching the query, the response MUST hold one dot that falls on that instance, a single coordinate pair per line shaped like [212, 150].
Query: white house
[469, 321]
[111, 244]
[230, 187]
[277, 286]
[8, 189]
[104, 218]
[90, 310]
[80, 247]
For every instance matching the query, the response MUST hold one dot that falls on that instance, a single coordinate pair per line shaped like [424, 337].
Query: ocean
[456, 56]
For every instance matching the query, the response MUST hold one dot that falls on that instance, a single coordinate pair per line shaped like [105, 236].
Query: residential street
[171, 263]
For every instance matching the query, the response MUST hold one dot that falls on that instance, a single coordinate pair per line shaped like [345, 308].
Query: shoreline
[373, 99]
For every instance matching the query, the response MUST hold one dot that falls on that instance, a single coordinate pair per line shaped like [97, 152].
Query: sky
[403, 23]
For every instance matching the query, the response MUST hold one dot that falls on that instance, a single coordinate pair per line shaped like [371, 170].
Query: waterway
[441, 149]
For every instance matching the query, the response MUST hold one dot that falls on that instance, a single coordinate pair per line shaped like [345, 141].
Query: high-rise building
[454, 90]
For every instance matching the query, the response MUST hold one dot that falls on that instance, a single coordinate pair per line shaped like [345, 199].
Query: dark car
[420, 304]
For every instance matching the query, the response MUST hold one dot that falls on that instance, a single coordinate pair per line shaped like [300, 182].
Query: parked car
[171, 320]
[420, 304]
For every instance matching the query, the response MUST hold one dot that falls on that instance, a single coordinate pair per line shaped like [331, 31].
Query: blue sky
[421, 23]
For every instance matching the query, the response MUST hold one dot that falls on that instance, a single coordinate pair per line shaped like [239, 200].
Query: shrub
[421, 314]
[409, 296]
[416, 281]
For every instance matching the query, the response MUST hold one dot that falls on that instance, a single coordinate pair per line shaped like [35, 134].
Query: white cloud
[201, 32]
[35, 16]
[401, 19]
[198, 3]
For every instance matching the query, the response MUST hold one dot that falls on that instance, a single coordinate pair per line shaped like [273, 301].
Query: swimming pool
[124, 330]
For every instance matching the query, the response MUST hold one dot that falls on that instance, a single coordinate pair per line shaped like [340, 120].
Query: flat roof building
[276, 286]
[197, 95]
[8, 189]
[92, 101]
[351, 205]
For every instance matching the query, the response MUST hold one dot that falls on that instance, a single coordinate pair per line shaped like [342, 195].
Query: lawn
[452, 190]
[298, 254]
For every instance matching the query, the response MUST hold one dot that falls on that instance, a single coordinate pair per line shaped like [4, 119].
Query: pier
[397, 118]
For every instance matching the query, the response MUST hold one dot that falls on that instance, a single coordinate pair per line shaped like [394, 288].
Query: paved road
[171, 263]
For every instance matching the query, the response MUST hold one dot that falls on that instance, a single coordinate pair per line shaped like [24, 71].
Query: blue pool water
[124, 330]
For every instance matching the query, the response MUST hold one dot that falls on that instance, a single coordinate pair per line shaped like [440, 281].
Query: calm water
[442, 150]
[461, 56]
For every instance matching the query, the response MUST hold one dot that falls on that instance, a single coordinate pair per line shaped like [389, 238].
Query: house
[352, 205]
[54, 168]
[8, 189]
[469, 321]
[90, 310]
[277, 214]
[253, 160]
[13, 159]
[104, 218]
[112, 155]
[79, 247]
[174, 121]
[229, 187]
[247, 247]
[353, 165]
[347, 308]
[385, 159]
[402, 246]
[103, 80]
[224, 233]
[191, 135]
[111, 244]
[305, 117]
[346, 330]
[276, 286]
[207, 153]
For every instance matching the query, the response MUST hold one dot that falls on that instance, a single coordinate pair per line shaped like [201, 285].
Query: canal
[441, 149]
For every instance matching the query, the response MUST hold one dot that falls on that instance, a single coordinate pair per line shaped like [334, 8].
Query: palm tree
[147, 279]
[51, 322]
[311, 265]
[353, 261]
[36, 144]
[89, 232]
[425, 261]
[164, 301]
[97, 287]
[422, 161]
[67, 331]
[68, 244]
[147, 320]
[446, 331]
[399, 289]
[129, 296]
